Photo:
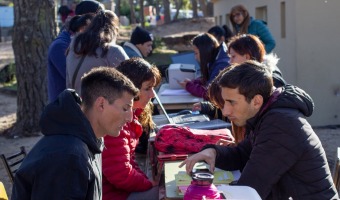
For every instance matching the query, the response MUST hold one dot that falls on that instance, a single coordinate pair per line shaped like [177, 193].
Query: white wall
[309, 54]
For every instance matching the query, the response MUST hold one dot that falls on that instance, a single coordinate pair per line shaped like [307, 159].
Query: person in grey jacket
[96, 46]
[66, 162]
[281, 156]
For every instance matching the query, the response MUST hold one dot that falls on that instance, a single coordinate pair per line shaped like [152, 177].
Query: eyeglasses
[237, 15]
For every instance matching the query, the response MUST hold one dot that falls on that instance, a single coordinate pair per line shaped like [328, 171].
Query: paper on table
[175, 92]
[239, 192]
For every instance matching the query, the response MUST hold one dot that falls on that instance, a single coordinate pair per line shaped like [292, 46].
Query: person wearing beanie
[56, 66]
[140, 44]
[88, 6]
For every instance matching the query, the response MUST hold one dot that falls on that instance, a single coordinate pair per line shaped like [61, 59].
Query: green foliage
[7, 74]
[186, 5]
[125, 8]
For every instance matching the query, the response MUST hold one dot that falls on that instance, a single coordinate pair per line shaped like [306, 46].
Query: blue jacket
[66, 162]
[56, 67]
[196, 87]
[260, 29]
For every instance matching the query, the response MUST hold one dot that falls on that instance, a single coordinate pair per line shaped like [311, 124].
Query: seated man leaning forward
[66, 162]
[281, 156]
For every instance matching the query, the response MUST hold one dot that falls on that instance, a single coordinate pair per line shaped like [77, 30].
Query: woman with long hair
[95, 46]
[122, 178]
[212, 58]
[243, 23]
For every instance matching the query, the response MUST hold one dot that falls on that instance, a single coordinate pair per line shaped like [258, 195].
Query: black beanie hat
[140, 36]
[88, 6]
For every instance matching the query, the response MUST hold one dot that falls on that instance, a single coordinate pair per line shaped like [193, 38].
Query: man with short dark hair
[66, 162]
[281, 157]
[140, 44]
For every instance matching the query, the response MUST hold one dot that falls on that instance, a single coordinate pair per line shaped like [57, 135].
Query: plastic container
[201, 185]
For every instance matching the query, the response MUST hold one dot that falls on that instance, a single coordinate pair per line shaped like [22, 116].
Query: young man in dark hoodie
[66, 162]
[281, 157]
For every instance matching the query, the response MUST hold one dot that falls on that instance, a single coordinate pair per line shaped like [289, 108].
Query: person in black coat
[281, 157]
[66, 161]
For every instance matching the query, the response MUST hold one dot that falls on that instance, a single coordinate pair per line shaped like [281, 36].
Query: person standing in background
[140, 44]
[243, 23]
[56, 66]
[96, 46]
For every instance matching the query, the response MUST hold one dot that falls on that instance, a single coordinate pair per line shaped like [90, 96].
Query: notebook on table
[191, 120]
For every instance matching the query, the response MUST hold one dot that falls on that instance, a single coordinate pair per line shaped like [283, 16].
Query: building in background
[307, 42]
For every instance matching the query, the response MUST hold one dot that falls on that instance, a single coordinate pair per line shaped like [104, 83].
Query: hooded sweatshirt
[281, 156]
[66, 162]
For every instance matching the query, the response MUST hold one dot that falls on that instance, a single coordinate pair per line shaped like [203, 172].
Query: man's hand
[197, 107]
[154, 183]
[207, 155]
[224, 142]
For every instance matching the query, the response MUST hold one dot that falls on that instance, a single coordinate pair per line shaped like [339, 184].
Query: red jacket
[121, 174]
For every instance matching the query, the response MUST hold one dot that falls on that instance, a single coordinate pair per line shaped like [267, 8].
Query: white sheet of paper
[175, 92]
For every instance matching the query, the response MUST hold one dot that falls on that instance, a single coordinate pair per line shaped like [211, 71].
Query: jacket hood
[290, 97]
[222, 55]
[271, 60]
[222, 58]
[64, 117]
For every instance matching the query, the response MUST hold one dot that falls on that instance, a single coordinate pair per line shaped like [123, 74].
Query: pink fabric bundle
[183, 140]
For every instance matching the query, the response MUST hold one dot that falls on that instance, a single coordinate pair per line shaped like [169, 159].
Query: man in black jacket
[66, 162]
[281, 157]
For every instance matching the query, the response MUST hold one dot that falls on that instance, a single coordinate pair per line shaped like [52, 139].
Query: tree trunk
[194, 8]
[34, 29]
[117, 8]
[167, 16]
[132, 12]
[141, 12]
[178, 4]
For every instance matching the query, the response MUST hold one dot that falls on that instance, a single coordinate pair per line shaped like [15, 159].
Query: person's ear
[247, 56]
[99, 103]
[257, 101]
